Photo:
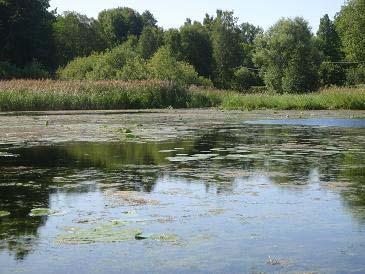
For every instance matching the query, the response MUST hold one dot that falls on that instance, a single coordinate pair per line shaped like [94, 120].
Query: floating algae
[161, 237]
[39, 212]
[130, 198]
[4, 214]
[113, 232]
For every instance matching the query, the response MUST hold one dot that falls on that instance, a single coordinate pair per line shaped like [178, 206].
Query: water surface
[237, 198]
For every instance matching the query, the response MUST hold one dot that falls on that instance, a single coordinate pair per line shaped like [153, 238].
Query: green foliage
[164, 66]
[150, 41]
[148, 19]
[21, 95]
[331, 74]
[196, 47]
[328, 40]
[33, 70]
[134, 69]
[83, 95]
[124, 63]
[172, 39]
[8, 71]
[100, 66]
[350, 24]
[288, 57]
[244, 79]
[78, 68]
[227, 50]
[356, 76]
[116, 25]
[249, 32]
[112, 61]
[331, 99]
[25, 32]
[75, 35]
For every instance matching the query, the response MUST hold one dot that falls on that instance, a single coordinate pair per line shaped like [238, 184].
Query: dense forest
[38, 43]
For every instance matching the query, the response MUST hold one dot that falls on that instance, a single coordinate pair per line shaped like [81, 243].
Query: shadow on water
[288, 156]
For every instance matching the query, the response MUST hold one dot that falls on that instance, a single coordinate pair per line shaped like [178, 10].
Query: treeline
[123, 44]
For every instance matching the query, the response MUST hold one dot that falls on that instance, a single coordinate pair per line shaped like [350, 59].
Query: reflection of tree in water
[18, 232]
[137, 167]
[354, 173]
[303, 149]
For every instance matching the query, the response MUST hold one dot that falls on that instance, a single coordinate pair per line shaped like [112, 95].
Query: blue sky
[172, 13]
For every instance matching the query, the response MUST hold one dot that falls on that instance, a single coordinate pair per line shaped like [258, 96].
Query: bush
[134, 69]
[244, 79]
[164, 66]
[34, 70]
[356, 76]
[79, 68]
[331, 74]
[8, 71]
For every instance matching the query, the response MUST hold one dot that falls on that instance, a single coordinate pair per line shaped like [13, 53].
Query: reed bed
[39, 95]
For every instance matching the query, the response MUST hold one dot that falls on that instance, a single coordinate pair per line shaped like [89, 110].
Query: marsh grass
[31, 95]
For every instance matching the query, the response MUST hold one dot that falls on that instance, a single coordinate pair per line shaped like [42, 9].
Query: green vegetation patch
[39, 212]
[4, 214]
[113, 232]
[161, 237]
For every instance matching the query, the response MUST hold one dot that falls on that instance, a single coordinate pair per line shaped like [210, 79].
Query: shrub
[356, 76]
[331, 74]
[244, 79]
[164, 66]
[79, 68]
[8, 71]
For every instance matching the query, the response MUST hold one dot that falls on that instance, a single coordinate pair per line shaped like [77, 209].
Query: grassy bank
[330, 99]
[22, 95]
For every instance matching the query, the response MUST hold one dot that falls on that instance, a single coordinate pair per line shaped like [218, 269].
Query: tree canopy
[287, 56]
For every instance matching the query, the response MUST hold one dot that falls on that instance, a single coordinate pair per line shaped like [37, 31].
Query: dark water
[248, 199]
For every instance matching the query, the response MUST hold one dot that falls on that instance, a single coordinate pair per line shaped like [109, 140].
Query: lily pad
[4, 214]
[113, 232]
[39, 212]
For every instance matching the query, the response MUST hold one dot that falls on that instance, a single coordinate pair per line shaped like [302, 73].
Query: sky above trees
[172, 13]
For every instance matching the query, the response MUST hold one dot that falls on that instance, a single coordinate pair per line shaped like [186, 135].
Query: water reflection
[286, 156]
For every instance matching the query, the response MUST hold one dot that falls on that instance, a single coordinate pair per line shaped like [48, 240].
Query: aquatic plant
[31, 95]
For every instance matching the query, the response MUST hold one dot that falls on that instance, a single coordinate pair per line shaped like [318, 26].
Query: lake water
[249, 197]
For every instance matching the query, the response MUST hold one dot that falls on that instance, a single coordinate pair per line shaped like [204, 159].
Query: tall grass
[330, 99]
[31, 95]
[23, 95]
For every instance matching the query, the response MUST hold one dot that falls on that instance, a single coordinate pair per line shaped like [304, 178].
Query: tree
[148, 19]
[287, 57]
[350, 24]
[164, 66]
[249, 32]
[117, 24]
[244, 79]
[196, 47]
[329, 44]
[227, 50]
[172, 39]
[75, 35]
[150, 41]
[25, 32]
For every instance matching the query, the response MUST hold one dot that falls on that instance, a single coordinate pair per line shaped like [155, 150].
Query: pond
[242, 196]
